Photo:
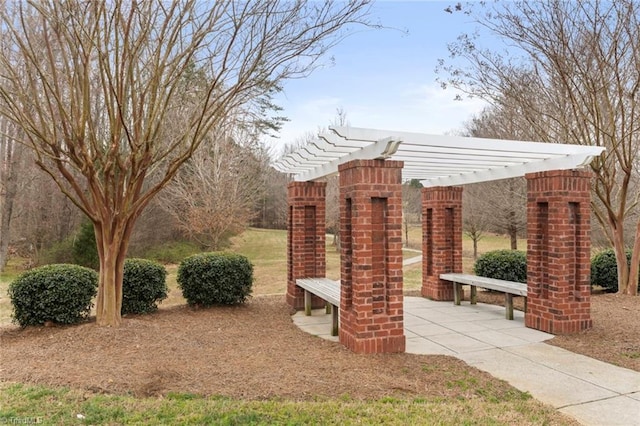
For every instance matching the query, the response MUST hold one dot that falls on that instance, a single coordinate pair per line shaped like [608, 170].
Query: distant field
[489, 242]
[267, 250]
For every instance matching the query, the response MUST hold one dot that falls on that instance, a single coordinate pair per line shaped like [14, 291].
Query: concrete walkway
[591, 391]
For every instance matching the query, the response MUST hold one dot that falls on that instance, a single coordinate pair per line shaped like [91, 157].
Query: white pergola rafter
[435, 160]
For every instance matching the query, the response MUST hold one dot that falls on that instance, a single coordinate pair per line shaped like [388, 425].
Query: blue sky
[384, 78]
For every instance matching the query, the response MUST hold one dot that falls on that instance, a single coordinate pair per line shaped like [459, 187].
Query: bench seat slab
[509, 288]
[326, 289]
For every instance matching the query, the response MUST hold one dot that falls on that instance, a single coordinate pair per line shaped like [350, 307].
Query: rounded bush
[143, 286]
[509, 265]
[604, 270]
[215, 278]
[58, 293]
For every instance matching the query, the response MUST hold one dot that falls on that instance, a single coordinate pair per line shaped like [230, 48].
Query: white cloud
[306, 117]
[424, 108]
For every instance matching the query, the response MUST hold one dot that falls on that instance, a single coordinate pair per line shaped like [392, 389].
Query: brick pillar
[371, 305]
[558, 251]
[441, 239]
[305, 238]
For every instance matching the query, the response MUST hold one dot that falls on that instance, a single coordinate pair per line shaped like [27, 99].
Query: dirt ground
[254, 351]
[615, 336]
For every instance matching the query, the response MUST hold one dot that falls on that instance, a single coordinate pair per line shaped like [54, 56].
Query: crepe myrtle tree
[570, 71]
[103, 94]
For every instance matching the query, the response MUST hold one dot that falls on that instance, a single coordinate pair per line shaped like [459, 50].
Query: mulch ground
[252, 351]
[615, 336]
[255, 351]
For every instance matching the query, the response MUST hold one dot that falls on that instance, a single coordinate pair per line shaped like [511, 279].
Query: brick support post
[305, 238]
[558, 251]
[441, 239]
[371, 305]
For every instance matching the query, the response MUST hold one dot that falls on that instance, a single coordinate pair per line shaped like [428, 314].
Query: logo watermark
[21, 420]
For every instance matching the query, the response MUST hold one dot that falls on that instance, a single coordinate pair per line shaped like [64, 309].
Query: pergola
[373, 164]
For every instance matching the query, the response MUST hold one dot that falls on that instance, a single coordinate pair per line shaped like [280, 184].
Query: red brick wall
[558, 251]
[305, 238]
[441, 239]
[371, 306]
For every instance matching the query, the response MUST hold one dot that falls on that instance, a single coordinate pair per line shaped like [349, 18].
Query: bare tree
[475, 216]
[411, 207]
[571, 72]
[273, 205]
[216, 192]
[43, 216]
[503, 201]
[93, 87]
[11, 163]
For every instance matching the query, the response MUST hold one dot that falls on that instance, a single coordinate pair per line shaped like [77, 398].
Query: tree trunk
[10, 153]
[513, 236]
[112, 239]
[475, 248]
[621, 257]
[634, 271]
[406, 233]
[5, 226]
[6, 215]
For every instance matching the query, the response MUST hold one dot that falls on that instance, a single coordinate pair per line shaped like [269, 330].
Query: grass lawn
[31, 404]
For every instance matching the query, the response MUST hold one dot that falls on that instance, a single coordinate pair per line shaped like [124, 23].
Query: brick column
[305, 238]
[441, 239]
[371, 305]
[558, 251]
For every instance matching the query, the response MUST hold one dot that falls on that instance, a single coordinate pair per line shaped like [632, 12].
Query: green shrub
[509, 265]
[58, 293]
[85, 251]
[215, 278]
[143, 286]
[604, 270]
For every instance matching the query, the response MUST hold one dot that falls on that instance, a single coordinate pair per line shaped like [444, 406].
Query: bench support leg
[474, 295]
[334, 319]
[307, 303]
[508, 302]
[457, 293]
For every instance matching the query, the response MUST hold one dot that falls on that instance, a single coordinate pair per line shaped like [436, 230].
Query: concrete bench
[326, 289]
[509, 288]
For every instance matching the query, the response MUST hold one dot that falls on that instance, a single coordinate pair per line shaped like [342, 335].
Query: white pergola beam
[436, 160]
[381, 149]
[449, 142]
[559, 163]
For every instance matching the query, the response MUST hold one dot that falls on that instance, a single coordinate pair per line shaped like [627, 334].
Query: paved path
[591, 391]
[412, 260]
